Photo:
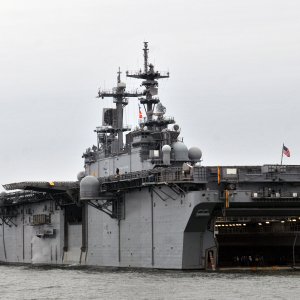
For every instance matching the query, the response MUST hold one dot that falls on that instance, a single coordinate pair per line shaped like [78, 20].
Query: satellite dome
[180, 151]
[176, 127]
[80, 175]
[2, 194]
[89, 187]
[166, 148]
[195, 154]
[121, 85]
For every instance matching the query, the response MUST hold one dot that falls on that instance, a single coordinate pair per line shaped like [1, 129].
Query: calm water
[20, 282]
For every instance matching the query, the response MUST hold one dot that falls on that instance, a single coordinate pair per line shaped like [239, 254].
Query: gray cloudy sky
[234, 86]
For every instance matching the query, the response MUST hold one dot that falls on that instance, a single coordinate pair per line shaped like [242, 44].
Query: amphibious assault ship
[147, 201]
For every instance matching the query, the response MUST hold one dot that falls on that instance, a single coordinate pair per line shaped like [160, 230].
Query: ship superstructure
[146, 200]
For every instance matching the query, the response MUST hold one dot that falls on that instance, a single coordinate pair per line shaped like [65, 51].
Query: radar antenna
[120, 97]
[150, 82]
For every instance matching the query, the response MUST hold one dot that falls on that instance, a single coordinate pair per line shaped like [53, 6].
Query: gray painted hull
[150, 235]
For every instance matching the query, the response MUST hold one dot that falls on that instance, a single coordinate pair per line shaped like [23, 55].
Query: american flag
[286, 151]
[140, 113]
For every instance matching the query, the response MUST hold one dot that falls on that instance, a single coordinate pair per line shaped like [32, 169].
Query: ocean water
[24, 282]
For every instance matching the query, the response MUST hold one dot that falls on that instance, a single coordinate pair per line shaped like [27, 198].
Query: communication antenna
[120, 97]
[150, 79]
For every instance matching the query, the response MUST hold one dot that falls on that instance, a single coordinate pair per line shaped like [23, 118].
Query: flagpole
[281, 154]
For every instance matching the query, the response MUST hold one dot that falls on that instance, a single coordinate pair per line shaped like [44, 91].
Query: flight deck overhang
[42, 186]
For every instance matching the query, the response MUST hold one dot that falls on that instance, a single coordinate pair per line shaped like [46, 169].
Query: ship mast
[150, 77]
[120, 97]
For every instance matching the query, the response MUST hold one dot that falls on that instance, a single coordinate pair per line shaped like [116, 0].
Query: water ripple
[44, 282]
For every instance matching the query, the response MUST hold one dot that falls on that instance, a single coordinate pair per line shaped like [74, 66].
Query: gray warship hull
[161, 222]
[150, 236]
[150, 203]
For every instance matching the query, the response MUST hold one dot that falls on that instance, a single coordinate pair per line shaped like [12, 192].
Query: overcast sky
[233, 88]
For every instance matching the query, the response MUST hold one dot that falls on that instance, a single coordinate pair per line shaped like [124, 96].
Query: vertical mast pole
[149, 111]
[146, 57]
[119, 75]
[119, 107]
[281, 154]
